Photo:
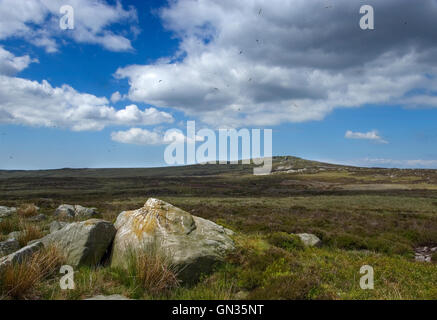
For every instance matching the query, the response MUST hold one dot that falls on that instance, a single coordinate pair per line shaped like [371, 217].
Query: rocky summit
[191, 243]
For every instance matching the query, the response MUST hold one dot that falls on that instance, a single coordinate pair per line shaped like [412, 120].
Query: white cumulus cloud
[263, 63]
[138, 136]
[141, 136]
[34, 103]
[371, 135]
[37, 21]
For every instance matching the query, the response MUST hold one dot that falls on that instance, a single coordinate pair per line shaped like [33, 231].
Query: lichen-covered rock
[8, 246]
[19, 255]
[7, 211]
[57, 225]
[191, 243]
[82, 243]
[310, 240]
[67, 211]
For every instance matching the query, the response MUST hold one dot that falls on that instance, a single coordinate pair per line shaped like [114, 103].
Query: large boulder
[82, 243]
[191, 243]
[20, 255]
[56, 225]
[309, 240]
[7, 211]
[8, 246]
[68, 211]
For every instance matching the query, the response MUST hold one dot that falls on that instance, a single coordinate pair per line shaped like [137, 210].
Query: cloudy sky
[104, 93]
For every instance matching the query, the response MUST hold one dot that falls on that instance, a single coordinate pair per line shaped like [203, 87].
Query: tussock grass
[29, 232]
[27, 210]
[8, 225]
[18, 280]
[152, 271]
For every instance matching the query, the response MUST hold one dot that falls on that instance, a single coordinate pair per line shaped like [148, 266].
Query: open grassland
[362, 215]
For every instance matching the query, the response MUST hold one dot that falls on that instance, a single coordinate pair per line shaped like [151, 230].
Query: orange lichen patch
[143, 224]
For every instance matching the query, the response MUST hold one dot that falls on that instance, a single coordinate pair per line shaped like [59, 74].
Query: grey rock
[310, 240]
[191, 243]
[57, 225]
[7, 211]
[19, 255]
[40, 217]
[111, 297]
[8, 246]
[15, 235]
[82, 243]
[65, 211]
[83, 212]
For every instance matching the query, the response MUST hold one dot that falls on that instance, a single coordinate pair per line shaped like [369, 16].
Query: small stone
[14, 235]
[40, 217]
[111, 297]
[310, 240]
[65, 211]
[7, 211]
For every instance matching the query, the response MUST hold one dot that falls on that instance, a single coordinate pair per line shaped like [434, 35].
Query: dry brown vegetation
[28, 233]
[27, 210]
[18, 280]
[152, 272]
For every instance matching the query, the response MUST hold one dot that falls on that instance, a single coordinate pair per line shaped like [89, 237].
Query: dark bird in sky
[241, 51]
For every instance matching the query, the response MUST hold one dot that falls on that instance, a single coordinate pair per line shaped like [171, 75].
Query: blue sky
[338, 94]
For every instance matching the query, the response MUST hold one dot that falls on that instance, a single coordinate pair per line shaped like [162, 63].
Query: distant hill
[283, 163]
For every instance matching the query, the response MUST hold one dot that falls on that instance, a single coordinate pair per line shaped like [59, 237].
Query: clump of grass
[18, 280]
[27, 210]
[285, 241]
[151, 272]
[28, 233]
[214, 287]
[8, 225]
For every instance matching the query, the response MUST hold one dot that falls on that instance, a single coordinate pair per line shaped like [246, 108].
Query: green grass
[358, 226]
